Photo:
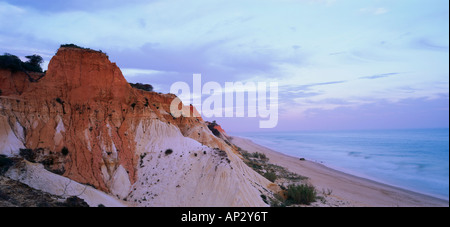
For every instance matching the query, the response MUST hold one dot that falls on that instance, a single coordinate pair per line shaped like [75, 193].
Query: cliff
[82, 122]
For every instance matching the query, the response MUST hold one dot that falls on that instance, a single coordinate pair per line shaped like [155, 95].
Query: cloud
[73, 5]
[301, 88]
[426, 43]
[338, 53]
[374, 11]
[380, 11]
[130, 72]
[375, 114]
[379, 76]
[10, 9]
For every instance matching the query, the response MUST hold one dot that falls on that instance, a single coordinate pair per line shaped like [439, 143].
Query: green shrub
[65, 151]
[212, 128]
[13, 63]
[72, 46]
[259, 156]
[28, 154]
[60, 101]
[5, 163]
[34, 63]
[264, 198]
[144, 87]
[301, 194]
[271, 176]
[277, 201]
[168, 151]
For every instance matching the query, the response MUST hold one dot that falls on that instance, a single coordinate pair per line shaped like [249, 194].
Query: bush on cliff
[13, 63]
[71, 45]
[145, 87]
[213, 129]
[34, 63]
[5, 163]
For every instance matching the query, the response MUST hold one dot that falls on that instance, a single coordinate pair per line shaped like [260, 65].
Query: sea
[413, 159]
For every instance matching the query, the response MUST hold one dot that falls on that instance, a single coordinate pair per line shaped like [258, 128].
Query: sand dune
[346, 189]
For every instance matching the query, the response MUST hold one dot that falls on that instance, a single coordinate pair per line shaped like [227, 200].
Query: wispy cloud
[338, 53]
[384, 75]
[130, 72]
[71, 5]
[374, 11]
[305, 87]
[426, 43]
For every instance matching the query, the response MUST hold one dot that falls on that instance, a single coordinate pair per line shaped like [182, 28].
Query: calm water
[415, 159]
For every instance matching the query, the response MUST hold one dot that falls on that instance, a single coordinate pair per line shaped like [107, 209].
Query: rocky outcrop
[85, 122]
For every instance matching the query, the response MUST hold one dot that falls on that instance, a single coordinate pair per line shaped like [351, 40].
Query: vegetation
[257, 155]
[65, 151]
[168, 151]
[221, 153]
[28, 155]
[13, 63]
[71, 45]
[144, 87]
[212, 127]
[5, 163]
[271, 176]
[60, 101]
[301, 194]
[295, 193]
[34, 63]
[74, 202]
[264, 198]
[16, 194]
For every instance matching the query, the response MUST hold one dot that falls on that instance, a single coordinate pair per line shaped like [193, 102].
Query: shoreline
[347, 189]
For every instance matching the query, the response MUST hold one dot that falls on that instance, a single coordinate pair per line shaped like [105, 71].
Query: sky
[339, 64]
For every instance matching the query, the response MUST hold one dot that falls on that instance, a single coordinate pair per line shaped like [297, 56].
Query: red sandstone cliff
[83, 121]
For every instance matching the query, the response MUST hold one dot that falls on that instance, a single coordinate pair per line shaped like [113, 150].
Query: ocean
[413, 159]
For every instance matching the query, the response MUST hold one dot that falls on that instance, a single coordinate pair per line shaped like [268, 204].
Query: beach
[344, 190]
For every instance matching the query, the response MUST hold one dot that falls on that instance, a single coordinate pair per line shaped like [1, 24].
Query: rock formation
[83, 122]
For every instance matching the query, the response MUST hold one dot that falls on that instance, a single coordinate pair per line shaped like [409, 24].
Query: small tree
[34, 63]
[35, 59]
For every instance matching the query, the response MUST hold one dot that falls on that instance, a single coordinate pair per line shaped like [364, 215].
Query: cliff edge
[83, 122]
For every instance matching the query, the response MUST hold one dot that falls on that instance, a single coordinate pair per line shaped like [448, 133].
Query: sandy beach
[346, 190]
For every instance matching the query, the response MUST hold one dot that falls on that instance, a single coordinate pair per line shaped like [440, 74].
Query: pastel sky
[340, 64]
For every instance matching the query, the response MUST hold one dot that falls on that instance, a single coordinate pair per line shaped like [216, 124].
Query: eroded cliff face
[83, 121]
